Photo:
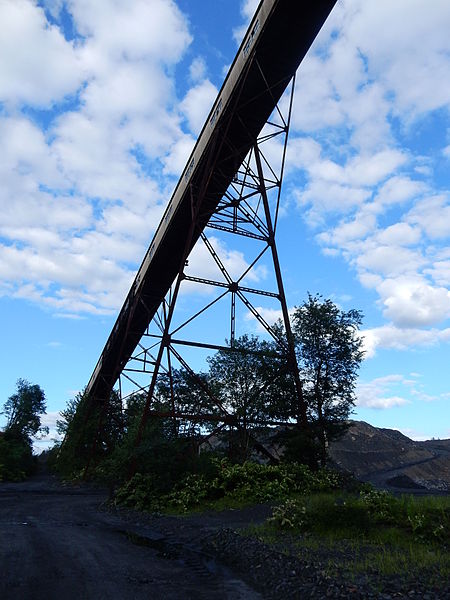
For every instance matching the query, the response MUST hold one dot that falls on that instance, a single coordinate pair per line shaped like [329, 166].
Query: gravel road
[55, 543]
[63, 543]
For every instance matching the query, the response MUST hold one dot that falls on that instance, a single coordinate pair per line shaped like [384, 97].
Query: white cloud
[397, 190]
[197, 69]
[329, 198]
[202, 264]
[197, 103]
[400, 338]
[80, 199]
[417, 75]
[38, 66]
[399, 234]
[433, 215]
[359, 171]
[248, 9]
[440, 272]
[177, 157]
[362, 95]
[389, 260]
[411, 302]
[376, 393]
[347, 231]
[135, 30]
[270, 315]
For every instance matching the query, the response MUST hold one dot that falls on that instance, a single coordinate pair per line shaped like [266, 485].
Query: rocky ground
[281, 571]
[65, 542]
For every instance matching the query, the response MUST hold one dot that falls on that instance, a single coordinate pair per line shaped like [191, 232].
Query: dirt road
[55, 543]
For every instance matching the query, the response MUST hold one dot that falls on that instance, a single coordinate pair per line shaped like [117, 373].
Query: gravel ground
[279, 574]
[64, 542]
[280, 571]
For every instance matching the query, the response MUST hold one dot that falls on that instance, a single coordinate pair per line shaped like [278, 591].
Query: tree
[186, 393]
[247, 381]
[23, 411]
[91, 431]
[329, 354]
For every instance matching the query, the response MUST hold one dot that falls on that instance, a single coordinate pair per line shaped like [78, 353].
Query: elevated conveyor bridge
[277, 40]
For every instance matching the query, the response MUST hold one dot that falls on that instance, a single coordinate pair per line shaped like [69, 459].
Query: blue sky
[100, 104]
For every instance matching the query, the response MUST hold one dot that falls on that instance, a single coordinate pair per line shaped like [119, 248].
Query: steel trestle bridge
[228, 185]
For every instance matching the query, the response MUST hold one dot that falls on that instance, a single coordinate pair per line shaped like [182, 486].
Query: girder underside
[273, 60]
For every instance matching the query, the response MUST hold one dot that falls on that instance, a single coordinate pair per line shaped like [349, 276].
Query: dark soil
[66, 542]
[283, 570]
[56, 543]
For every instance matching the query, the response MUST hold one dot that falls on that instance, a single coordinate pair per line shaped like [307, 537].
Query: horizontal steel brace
[238, 232]
[232, 287]
[221, 418]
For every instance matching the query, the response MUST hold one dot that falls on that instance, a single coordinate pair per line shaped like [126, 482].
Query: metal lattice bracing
[229, 187]
[249, 209]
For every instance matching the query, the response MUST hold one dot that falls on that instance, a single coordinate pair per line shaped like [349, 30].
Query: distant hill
[389, 459]
[384, 457]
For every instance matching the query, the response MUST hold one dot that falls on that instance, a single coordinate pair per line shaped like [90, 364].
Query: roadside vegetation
[370, 535]
[355, 532]
[226, 485]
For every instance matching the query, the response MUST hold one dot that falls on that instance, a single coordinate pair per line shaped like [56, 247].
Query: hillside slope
[388, 458]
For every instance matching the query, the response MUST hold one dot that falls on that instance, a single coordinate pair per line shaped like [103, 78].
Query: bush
[244, 484]
[16, 459]
[368, 515]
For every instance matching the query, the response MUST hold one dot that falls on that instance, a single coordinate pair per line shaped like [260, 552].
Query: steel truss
[249, 210]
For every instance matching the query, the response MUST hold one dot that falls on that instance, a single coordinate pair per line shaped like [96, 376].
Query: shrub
[246, 483]
[371, 514]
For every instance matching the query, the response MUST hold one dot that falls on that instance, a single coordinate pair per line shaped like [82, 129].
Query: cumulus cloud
[83, 189]
[376, 393]
[416, 76]
[412, 302]
[368, 194]
[22, 76]
[197, 69]
[197, 104]
[400, 338]
[202, 264]
[80, 195]
[248, 9]
[393, 390]
[432, 214]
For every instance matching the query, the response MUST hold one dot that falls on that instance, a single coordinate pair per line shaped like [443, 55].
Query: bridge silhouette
[230, 186]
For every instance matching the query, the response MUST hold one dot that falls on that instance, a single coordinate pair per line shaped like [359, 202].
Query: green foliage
[329, 354]
[251, 382]
[248, 381]
[367, 535]
[371, 515]
[189, 390]
[23, 411]
[235, 483]
[137, 493]
[16, 459]
[92, 432]
[289, 515]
